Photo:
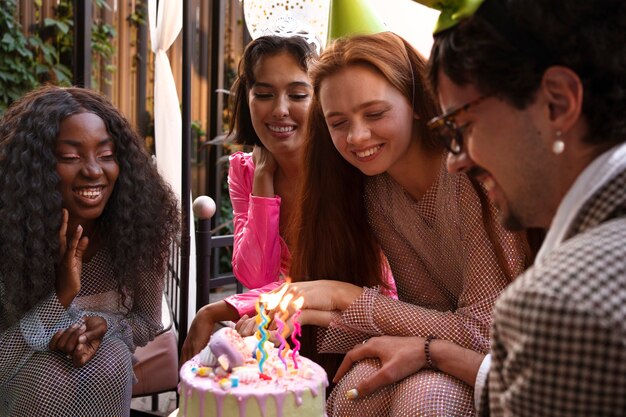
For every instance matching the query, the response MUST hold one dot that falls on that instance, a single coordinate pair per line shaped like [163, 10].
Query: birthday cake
[227, 380]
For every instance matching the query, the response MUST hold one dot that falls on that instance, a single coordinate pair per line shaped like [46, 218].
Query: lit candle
[268, 302]
[297, 331]
[282, 330]
[262, 320]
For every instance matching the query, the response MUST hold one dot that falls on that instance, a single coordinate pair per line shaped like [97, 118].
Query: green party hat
[452, 11]
[353, 17]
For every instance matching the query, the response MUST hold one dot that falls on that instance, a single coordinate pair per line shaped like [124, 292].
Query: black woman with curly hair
[85, 227]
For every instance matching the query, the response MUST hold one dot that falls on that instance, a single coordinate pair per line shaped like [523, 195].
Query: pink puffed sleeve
[259, 253]
[245, 303]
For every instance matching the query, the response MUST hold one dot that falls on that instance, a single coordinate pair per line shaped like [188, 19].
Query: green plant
[45, 54]
[138, 17]
[52, 44]
[102, 49]
[17, 64]
[198, 138]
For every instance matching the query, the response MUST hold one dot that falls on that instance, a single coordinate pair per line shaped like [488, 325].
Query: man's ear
[563, 90]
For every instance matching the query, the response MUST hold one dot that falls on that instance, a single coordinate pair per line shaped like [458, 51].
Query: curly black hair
[141, 218]
[508, 58]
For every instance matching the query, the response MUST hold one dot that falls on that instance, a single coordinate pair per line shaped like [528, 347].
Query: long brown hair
[332, 237]
[330, 231]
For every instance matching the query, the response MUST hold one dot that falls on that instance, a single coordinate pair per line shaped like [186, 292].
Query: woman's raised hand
[263, 160]
[68, 271]
[264, 169]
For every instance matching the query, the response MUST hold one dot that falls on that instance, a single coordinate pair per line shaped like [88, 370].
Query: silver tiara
[287, 26]
[304, 18]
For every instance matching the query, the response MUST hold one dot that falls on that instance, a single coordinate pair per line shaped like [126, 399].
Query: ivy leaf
[41, 69]
[5, 76]
[9, 40]
[62, 76]
[34, 41]
[63, 27]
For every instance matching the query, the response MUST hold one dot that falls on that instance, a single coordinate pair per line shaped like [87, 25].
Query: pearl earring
[558, 146]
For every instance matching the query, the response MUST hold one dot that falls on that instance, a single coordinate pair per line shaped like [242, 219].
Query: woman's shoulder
[378, 192]
[241, 162]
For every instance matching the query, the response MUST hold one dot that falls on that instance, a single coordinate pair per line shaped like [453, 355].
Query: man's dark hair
[505, 53]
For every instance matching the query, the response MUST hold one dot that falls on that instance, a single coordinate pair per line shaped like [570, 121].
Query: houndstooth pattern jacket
[559, 331]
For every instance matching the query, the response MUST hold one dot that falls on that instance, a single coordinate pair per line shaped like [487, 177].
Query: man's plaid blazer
[559, 331]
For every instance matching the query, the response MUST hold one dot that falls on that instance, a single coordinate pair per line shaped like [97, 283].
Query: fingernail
[352, 394]
[82, 339]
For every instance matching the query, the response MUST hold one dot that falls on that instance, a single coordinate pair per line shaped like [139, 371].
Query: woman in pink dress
[271, 98]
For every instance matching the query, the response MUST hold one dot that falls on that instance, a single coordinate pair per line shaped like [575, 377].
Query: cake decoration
[224, 380]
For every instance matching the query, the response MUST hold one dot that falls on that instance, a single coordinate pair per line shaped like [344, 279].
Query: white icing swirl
[207, 358]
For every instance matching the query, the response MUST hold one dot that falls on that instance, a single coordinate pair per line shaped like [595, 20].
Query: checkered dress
[447, 278]
[559, 334]
[37, 382]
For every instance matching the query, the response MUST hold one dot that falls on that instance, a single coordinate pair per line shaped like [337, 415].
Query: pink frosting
[309, 377]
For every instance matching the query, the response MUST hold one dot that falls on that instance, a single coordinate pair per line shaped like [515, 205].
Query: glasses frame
[453, 142]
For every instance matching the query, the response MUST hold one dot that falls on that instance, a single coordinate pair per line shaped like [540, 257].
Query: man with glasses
[535, 99]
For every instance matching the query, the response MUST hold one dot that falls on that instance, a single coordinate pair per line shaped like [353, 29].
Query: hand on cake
[399, 357]
[202, 327]
[246, 326]
[80, 341]
[225, 349]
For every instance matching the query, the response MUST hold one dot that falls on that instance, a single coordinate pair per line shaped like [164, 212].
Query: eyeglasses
[446, 130]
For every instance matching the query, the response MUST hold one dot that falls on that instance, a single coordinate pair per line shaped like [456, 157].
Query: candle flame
[285, 303]
[299, 303]
[272, 299]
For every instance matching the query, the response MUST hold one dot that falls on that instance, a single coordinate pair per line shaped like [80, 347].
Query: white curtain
[165, 25]
[164, 29]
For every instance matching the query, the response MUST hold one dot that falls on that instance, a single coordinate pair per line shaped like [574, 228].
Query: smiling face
[87, 167]
[279, 101]
[506, 150]
[370, 121]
